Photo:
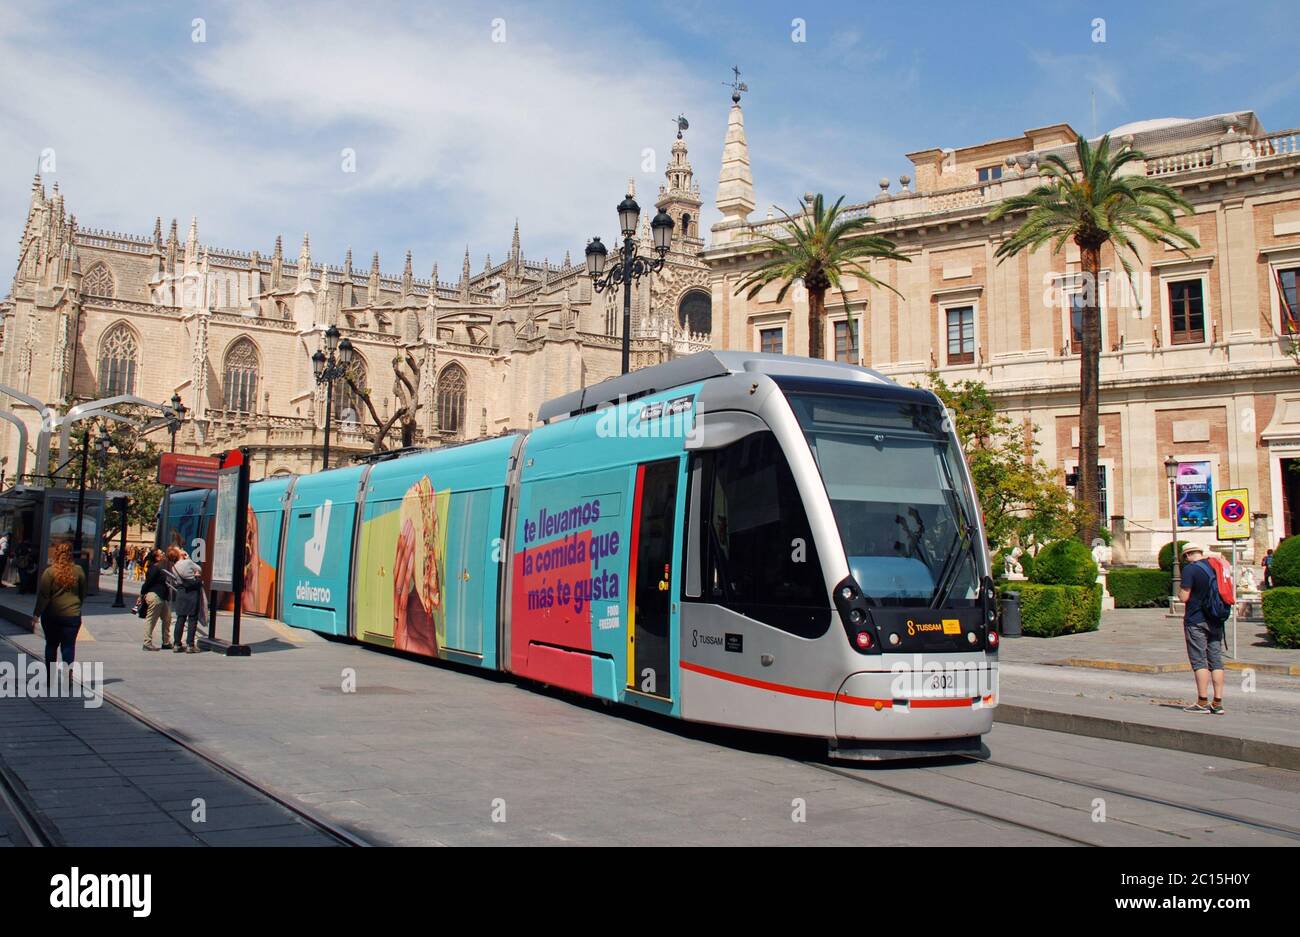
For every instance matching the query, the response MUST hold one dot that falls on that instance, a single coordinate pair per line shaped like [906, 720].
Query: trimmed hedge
[1048, 611]
[1286, 563]
[1139, 588]
[1282, 615]
[1026, 561]
[999, 564]
[1064, 563]
[1167, 556]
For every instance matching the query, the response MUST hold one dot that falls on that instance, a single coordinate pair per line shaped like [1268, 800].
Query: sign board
[223, 529]
[1232, 514]
[188, 471]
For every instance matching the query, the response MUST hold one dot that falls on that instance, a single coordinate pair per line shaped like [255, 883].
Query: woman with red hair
[58, 604]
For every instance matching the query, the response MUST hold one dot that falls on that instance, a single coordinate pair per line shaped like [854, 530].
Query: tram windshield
[895, 481]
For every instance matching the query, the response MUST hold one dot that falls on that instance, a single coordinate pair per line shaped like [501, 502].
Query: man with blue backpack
[1204, 612]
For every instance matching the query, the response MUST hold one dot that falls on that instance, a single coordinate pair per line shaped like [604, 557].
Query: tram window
[758, 554]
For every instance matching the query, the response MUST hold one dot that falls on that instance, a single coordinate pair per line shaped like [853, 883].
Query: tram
[750, 540]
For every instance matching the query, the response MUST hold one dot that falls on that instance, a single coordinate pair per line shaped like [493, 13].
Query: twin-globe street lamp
[632, 267]
[175, 415]
[329, 365]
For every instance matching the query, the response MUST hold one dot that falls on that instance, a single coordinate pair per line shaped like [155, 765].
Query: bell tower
[680, 197]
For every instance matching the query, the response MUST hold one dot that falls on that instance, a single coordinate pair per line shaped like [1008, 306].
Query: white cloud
[455, 135]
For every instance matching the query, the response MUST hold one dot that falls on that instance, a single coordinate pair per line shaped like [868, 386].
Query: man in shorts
[1203, 632]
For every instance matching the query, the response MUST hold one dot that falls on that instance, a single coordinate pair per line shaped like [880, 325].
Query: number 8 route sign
[1232, 514]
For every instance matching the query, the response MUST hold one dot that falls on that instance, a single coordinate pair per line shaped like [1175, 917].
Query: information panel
[223, 535]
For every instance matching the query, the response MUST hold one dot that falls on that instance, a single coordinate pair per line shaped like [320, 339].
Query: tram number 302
[942, 681]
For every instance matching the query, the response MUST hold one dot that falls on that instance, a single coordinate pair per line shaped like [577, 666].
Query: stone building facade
[95, 313]
[1199, 360]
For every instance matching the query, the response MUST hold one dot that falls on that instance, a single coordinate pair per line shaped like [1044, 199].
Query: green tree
[1092, 204]
[1024, 500]
[820, 248]
[131, 466]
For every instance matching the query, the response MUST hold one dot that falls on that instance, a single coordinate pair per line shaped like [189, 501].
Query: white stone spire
[735, 183]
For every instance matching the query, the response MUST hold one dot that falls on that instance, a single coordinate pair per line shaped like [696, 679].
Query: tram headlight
[855, 616]
[863, 640]
[972, 637]
[993, 639]
[894, 639]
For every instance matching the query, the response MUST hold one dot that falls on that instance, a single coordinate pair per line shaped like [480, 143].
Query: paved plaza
[426, 754]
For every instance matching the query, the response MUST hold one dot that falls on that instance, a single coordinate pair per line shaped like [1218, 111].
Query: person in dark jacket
[59, 596]
[156, 594]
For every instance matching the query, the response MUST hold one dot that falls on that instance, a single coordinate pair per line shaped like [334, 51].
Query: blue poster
[1194, 488]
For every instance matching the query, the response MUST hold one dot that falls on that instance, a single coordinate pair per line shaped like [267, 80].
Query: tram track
[939, 801]
[1283, 830]
[33, 825]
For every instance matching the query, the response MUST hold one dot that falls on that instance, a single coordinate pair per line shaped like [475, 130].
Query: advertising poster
[260, 555]
[401, 579]
[223, 536]
[1194, 491]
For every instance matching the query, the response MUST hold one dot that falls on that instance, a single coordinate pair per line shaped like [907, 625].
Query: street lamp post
[121, 555]
[176, 415]
[330, 364]
[633, 266]
[1171, 473]
[101, 444]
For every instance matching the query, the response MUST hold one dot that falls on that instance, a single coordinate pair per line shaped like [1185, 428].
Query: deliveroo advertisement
[317, 557]
[402, 568]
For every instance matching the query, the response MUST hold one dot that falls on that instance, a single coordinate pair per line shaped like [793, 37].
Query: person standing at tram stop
[59, 596]
[156, 593]
[1202, 631]
[4, 557]
[189, 592]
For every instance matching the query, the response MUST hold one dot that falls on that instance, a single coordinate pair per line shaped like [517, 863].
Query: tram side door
[654, 510]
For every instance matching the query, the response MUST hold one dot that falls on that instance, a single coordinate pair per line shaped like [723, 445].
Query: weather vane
[682, 124]
[737, 86]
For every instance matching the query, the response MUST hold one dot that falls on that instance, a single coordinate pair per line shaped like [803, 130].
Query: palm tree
[1094, 204]
[821, 248]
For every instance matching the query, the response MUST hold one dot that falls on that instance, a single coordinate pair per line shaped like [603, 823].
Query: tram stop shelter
[38, 518]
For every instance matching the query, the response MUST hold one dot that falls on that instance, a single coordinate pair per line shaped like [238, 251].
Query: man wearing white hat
[1202, 631]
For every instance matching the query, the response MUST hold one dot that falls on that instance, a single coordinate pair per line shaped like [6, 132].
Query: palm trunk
[1089, 377]
[816, 322]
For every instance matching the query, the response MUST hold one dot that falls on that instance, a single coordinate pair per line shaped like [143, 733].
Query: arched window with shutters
[451, 400]
[239, 390]
[98, 281]
[119, 359]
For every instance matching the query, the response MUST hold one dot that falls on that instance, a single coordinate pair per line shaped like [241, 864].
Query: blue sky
[456, 135]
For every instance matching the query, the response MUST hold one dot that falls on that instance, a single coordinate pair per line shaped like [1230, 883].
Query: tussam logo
[313, 552]
[76, 890]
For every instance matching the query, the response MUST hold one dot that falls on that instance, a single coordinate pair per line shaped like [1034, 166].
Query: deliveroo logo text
[313, 554]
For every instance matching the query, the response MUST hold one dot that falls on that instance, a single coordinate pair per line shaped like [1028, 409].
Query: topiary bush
[1166, 557]
[1064, 563]
[1286, 562]
[1048, 611]
[1282, 615]
[1139, 588]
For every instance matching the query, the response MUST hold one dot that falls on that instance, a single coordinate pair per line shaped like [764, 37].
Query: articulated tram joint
[856, 617]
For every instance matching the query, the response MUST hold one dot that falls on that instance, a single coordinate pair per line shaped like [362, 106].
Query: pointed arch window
[98, 281]
[119, 357]
[451, 400]
[241, 372]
